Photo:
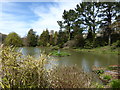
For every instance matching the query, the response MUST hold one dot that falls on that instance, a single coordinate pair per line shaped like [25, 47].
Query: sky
[20, 17]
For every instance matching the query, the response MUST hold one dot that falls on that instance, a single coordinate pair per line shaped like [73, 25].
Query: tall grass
[20, 71]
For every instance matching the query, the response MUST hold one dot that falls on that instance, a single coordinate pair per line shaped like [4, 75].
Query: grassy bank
[102, 50]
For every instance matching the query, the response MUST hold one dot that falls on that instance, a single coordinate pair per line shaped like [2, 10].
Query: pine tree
[109, 10]
[32, 38]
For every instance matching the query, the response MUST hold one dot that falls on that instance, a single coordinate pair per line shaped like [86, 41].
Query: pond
[84, 60]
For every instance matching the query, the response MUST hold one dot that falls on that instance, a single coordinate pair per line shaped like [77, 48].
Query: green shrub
[55, 48]
[114, 67]
[115, 83]
[88, 45]
[107, 77]
[116, 44]
[100, 71]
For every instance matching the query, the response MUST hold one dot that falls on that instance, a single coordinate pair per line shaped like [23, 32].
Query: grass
[70, 77]
[115, 83]
[60, 54]
[107, 77]
[113, 67]
[99, 71]
[20, 71]
[101, 50]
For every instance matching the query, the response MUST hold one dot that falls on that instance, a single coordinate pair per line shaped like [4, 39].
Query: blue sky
[19, 17]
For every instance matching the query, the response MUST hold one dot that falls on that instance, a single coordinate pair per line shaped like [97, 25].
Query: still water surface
[84, 60]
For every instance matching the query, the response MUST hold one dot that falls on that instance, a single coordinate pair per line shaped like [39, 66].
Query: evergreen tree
[44, 38]
[88, 14]
[32, 38]
[69, 18]
[55, 38]
[109, 10]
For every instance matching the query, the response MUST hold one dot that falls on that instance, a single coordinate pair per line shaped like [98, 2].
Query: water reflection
[81, 59]
[85, 65]
[97, 63]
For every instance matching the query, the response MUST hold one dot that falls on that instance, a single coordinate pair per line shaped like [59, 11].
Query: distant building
[51, 32]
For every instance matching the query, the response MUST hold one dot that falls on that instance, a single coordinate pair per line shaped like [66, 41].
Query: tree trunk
[109, 40]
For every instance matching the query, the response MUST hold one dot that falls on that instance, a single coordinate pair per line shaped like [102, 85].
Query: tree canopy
[13, 39]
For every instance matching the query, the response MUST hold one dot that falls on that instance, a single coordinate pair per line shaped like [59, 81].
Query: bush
[115, 67]
[13, 39]
[98, 42]
[22, 72]
[100, 71]
[97, 85]
[107, 77]
[88, 44]
[55, 48]
[115, 83]
[70, 77]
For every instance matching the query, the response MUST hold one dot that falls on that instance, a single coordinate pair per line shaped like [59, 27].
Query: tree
[69, 18]
[13, 39]
[44, 38]
[32, 38]
[55, 38]
[109, 10]
[88, 14]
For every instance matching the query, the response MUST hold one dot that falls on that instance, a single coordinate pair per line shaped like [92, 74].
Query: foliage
[115, 83]
[113, 67]
[13, 39]
[100, 71]
[31, 38]
[106, 77]
[22, 72]
[80, 41]
[55, 48]
[62, 38]
[70, 77]
[97, 85]
[109, 10]
[116, 44]
[85, 17]
[88, 44]
[44, 38]
[55, 38]
[69, 18]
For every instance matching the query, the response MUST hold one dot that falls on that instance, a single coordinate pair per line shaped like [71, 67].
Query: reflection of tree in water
[81, 59]
[85, 65]
[31, 51]
[97, 63]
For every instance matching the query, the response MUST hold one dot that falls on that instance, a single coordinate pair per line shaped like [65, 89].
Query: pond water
[84, 60]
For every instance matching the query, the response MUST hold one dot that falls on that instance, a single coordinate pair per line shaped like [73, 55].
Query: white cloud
[47, 17]
[49, 20]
